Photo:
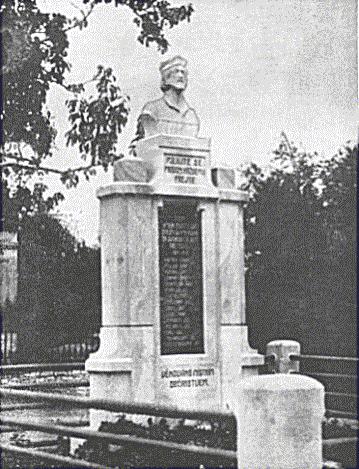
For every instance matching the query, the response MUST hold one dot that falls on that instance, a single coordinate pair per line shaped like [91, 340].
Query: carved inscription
[188, 377]
[181, 302]
[185, 169]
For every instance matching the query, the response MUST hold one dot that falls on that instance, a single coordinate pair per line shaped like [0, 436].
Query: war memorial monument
[174, 327]
[173, 296]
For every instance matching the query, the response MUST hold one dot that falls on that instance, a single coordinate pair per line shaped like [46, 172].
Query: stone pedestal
[173, 300]
[279, 422]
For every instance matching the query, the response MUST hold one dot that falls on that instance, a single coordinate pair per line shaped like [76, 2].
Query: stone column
[235, 348]
[128, 266]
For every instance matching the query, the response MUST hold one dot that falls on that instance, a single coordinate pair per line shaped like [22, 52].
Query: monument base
[186, 381]
[122, 368]
[239, 360]
[173, 296]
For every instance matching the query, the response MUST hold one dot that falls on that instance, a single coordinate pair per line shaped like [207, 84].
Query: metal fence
[63, 353]
[8, 346]
[197, 454]
[339, 377]
[338, 374]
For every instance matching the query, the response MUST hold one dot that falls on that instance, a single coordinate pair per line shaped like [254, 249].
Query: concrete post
[282, 350]
[279, 422]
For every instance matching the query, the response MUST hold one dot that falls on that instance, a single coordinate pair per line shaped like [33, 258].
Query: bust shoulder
[152, 108]
[192, 116]
[162, 116]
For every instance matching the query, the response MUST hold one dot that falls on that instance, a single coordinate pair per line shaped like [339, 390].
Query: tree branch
[20, 163]
[30, 168]
[76, 23]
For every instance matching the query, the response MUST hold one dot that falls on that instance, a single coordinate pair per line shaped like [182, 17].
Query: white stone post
[279, 422]
[282, 351]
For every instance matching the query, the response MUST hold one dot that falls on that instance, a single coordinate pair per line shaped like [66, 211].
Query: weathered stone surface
[280, 422]
[238, 361]
[130, 169]
[224, 178]
[176, 160]
[231, 263]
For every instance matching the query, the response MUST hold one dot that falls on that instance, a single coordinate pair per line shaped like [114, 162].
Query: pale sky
[256, 67]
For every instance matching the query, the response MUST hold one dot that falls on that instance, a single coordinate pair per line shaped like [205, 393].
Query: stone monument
[173, 299]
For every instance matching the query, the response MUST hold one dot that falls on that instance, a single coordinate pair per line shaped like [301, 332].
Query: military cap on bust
[170, 115]
[175, 61]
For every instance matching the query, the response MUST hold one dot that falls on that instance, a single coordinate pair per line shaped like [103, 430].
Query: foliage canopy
[35, 58]
[300, 250]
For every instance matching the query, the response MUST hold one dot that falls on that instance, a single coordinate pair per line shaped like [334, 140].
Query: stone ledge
[103, 365]
[251, 360]
[121, 188]
[131, 170]
[175, 142]
[233, 195]
[177, 190]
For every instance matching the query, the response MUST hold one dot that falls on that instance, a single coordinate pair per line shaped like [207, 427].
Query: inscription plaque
[181, 292]
[186, 168]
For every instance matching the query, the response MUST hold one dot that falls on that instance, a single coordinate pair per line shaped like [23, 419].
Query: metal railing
[38, 367]
[49, 457]
[339, 377]
[337, 374]
[38, 399]
[113, 405]
[8, 345]
[78, 351]
[325, 358]
[106, 437]
[66, 352]
[340, 385]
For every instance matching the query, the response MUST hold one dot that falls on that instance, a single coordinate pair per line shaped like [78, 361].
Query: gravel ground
[48, 414]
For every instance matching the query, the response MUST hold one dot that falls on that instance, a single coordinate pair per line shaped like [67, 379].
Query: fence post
[279, 421]
[282, 350]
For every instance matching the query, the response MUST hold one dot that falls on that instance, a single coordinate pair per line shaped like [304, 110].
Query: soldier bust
[170, 114]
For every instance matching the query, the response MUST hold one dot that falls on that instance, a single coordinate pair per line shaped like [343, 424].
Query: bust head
[174, 74]
[170, 114]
